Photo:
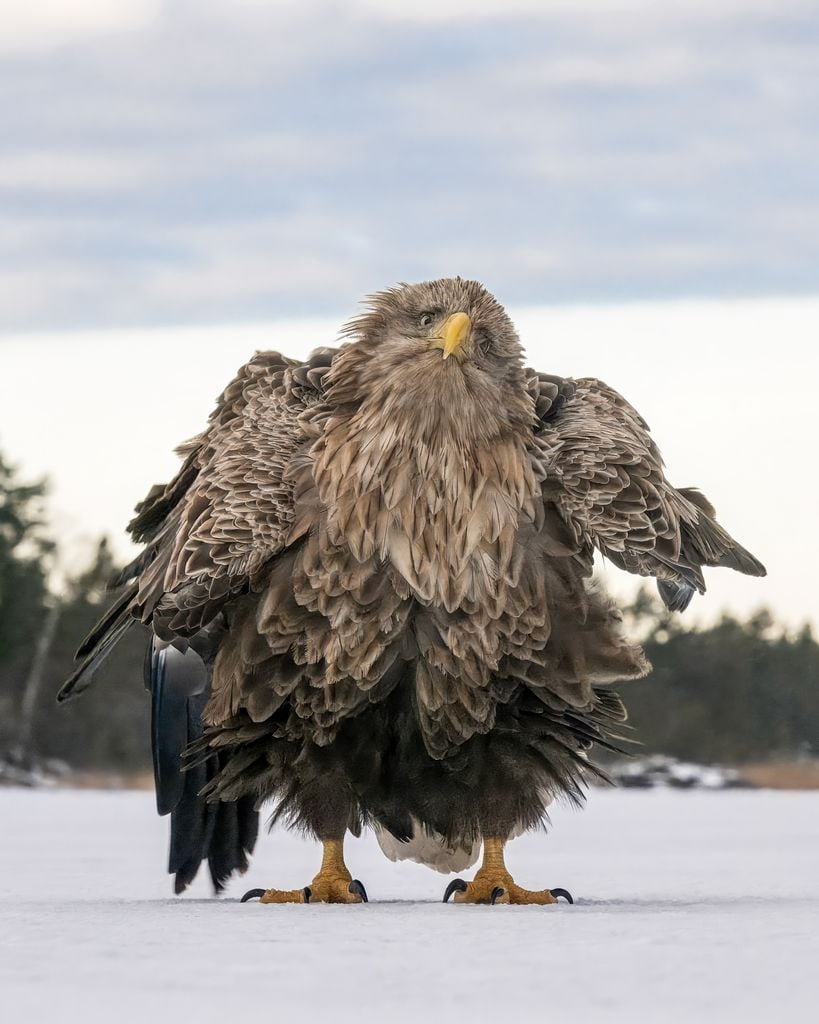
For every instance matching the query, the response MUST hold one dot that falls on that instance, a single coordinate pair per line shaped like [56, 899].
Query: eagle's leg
[333, 883]
[493, 883]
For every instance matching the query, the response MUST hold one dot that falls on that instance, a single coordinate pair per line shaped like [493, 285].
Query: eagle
[370, 597]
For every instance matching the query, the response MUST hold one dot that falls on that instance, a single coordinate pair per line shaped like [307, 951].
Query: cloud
[182, 162]
[608, 12]
[46, 170]
[39, 25]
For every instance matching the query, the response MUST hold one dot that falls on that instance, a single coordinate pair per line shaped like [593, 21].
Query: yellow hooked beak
[453, 334]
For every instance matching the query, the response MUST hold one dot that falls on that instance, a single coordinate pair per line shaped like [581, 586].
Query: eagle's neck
[442, 509]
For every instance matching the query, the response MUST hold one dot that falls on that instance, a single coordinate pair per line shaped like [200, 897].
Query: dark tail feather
[175, 680]
[192, 825]
[221, 833]
[233, 839]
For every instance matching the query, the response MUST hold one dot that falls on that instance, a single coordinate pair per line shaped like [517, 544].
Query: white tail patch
[430, 849]
[433, 851]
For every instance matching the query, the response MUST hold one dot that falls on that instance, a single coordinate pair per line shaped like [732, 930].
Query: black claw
[497, 892]
[456, 885]
[308, 892]
[557, 893]
[252, 894]
[355, 888]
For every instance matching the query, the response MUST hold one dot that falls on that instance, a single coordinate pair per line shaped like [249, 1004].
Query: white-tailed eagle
[369, 589]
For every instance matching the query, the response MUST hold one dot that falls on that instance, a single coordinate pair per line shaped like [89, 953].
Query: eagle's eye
[426, 318]
[484, 342]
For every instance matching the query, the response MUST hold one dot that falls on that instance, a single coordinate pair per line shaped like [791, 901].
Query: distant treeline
[732, 693]
[106, 728]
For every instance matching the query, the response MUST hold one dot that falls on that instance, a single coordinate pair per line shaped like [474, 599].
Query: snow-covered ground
[691, 906]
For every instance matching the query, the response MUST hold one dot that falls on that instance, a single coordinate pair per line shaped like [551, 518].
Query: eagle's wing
[605, 475]
[230, 508]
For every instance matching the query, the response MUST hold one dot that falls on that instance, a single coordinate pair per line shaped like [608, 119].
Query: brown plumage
[383, 556]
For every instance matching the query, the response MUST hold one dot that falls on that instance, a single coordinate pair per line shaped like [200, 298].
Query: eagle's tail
[432, 850]
[221, 833]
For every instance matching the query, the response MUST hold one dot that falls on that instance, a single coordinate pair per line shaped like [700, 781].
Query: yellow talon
[493, 883]
[333, 883]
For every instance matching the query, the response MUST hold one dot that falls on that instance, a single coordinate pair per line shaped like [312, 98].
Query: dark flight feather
[223, 835]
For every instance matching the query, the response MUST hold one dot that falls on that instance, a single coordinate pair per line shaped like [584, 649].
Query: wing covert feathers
[226, 512]
[604, 473]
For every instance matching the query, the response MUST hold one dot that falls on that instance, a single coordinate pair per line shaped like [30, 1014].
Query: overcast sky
[236, 160]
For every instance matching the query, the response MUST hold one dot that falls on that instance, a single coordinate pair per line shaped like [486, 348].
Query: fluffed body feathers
[380, 560]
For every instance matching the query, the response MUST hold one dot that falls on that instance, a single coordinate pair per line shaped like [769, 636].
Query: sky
[211, 161]
[182, 183]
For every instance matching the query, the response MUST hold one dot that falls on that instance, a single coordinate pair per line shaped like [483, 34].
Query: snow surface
[691, 906]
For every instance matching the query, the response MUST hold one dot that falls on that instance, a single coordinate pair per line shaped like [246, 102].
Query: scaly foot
[333, 884]
[493, 883]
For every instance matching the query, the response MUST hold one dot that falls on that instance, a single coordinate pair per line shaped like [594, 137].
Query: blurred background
[182, 183]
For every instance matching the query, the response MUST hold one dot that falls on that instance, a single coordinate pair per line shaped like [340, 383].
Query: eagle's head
[421, 456]
[439, 359]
